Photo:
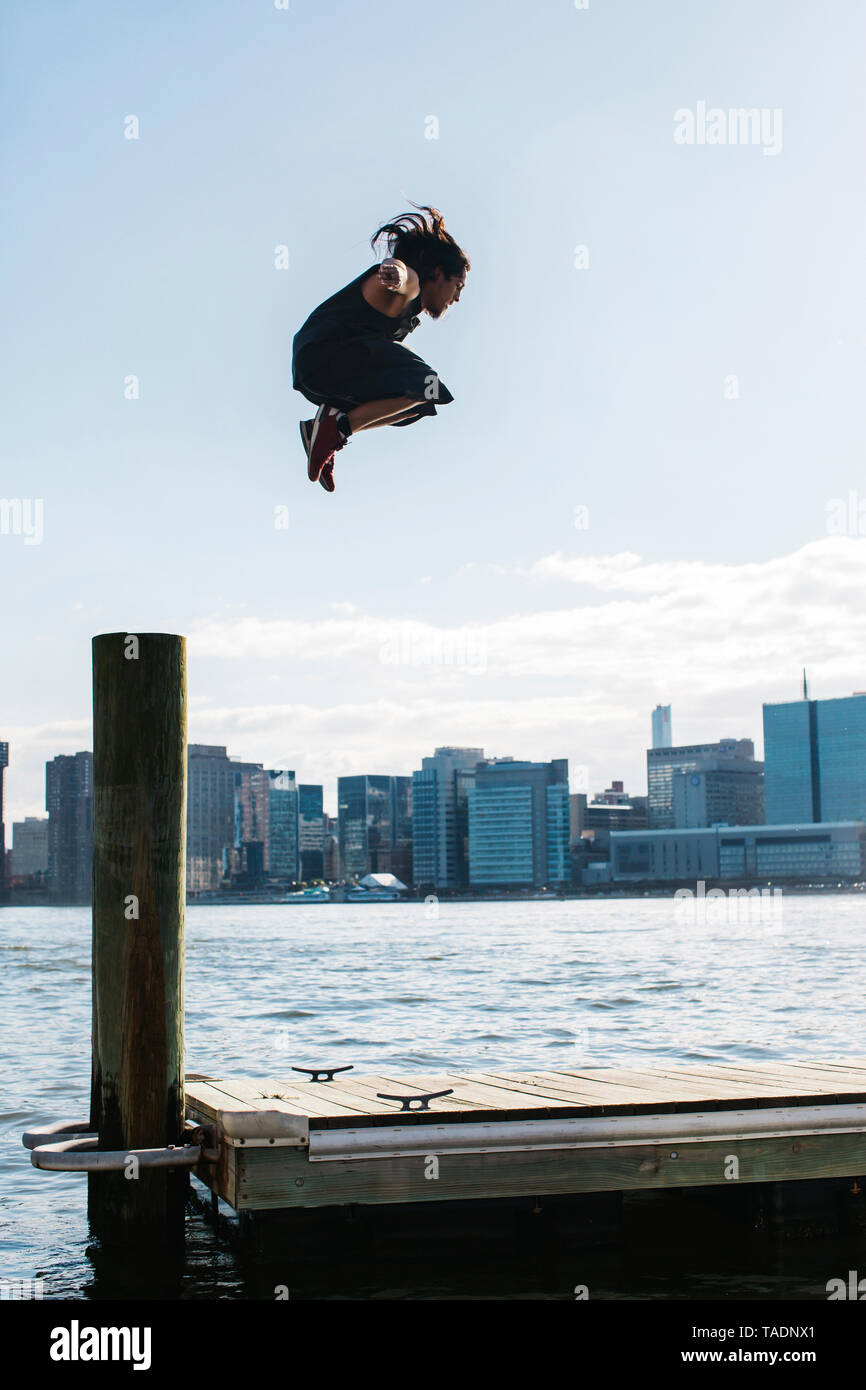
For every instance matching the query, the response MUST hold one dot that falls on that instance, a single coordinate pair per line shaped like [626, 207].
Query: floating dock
[294, 1143]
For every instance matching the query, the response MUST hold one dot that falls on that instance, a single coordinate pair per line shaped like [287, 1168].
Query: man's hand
[394, 275]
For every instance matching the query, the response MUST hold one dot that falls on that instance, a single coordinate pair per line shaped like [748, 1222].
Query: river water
[536, 985]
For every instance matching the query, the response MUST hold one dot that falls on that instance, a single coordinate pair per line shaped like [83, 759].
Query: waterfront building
[69, 803]
[697, 785]
[375, 825]
[815, 760]
[661, 727]
[311, 831]
[440, 817]
[676, 855]
[519, 824]
[834, 852]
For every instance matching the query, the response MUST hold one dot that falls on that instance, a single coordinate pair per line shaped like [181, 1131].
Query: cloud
[577, 678]
[686, 624]
[595, 644]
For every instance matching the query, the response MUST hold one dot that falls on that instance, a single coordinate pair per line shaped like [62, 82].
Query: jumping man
[347, 358]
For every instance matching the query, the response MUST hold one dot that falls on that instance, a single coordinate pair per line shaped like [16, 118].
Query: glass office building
[815, 760]
[519, 824]
[439, 817]
[425, 843]
[791, 791]
[311, 831]
[375, 819]
[500, 836]
[558, 833]
[69, 803]
[842, 758]
[397, 859]
[209, 815]
[661, 727]
[247, 859]
[282, 852]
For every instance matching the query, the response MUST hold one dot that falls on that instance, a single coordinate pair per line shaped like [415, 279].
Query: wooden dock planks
[258, 1172]
[355, 1099]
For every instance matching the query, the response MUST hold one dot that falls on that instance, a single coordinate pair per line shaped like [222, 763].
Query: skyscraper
[249, 853]
[311, 831]
[332, 848]
[704, 784]
[661, 724]
[281, 859]
[440, 817]
[210, 817]
[398, 860]
[815, 760]
[228, 812]
[519, 824]
[375, 815]
[69, 803]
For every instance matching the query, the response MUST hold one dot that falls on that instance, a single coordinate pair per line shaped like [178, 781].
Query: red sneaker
[326, 477]
[322, 439]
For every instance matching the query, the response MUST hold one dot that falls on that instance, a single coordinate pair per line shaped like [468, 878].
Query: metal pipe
[85, 1156]
[612, 1131]
[31, 1137]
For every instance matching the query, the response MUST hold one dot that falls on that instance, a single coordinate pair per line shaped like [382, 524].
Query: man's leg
[373, 413]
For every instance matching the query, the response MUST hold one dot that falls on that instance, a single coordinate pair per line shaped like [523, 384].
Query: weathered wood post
[139, 883]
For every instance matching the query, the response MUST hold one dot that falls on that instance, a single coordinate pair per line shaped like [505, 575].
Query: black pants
[349, 373]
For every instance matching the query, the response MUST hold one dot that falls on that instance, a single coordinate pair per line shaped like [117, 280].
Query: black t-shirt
[347, 316]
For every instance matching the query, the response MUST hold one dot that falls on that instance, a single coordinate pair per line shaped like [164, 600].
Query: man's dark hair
[421, 241]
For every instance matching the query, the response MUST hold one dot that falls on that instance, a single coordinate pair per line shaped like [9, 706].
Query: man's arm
[399, 278]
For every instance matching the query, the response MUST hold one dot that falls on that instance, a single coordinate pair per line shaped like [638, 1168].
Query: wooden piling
[139, 883]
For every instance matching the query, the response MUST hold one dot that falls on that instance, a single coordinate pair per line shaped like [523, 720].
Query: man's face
[437, 294]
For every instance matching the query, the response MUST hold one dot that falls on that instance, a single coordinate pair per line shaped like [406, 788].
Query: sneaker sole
[317, 420]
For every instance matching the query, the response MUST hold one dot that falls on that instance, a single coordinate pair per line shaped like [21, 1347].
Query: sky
[650, 484]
